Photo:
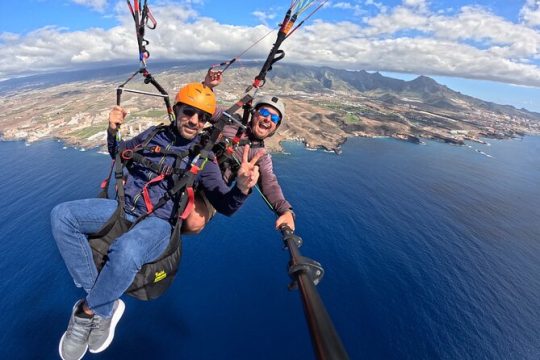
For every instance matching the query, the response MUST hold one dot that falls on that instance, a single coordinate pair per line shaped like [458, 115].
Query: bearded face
[190, 120]
[265, 121]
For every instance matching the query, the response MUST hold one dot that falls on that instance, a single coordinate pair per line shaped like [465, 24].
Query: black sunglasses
[190, 111]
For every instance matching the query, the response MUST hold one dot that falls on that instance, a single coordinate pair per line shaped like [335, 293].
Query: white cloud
[401, 18]
[355, 8]
[97, 5]
[410, 55]
[9, 37]
[530, 13]
[470, 42]
[419, 4]
[470, 24]
[263, 17]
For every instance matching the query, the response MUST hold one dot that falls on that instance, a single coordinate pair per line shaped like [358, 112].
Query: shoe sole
[116, 317]
[60, 348]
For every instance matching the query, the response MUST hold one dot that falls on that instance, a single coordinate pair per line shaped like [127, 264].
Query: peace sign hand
[248, 174]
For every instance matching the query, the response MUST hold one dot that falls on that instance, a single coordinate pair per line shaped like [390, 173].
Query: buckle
[127, 154]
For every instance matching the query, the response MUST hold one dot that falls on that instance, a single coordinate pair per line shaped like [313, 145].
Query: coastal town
[324, 108]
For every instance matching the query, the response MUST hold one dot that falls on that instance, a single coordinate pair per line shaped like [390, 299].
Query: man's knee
[59, 215]
[58, 211]
[193, 224]
[198, 218]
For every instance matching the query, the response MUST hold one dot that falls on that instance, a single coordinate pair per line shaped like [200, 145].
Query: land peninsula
[324, 106]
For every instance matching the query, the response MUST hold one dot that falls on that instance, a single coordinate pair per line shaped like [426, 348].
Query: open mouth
[265, 125]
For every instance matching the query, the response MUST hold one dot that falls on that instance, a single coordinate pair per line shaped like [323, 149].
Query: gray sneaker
[103, 328]
[74, 342]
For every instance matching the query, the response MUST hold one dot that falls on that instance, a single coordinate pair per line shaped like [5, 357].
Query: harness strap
[253, 145]
[119, 177]
[159, 150]
[146, 195]
[155, 167]
[157, 130]
[190, 203]
[104, 194]
[185, 181]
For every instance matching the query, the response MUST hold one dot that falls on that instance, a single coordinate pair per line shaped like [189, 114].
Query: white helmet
[274, 102]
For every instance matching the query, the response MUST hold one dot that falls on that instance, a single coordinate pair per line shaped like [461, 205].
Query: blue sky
[488, 49]
[23, 16]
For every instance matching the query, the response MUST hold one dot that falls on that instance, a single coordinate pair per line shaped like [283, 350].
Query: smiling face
[263, 126]
[189, 121]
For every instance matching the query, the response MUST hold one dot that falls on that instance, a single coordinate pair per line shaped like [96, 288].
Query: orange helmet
[198, 96]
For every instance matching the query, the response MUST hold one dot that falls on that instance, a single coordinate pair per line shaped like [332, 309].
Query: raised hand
[116, 117]
[213, 78]
[248, 174]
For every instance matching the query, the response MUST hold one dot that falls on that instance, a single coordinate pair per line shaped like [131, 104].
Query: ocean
[430, 252]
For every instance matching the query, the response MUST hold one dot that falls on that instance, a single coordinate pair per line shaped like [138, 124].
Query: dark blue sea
[430, 252]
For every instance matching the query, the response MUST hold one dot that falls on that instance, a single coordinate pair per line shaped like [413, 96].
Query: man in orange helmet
[94, 318]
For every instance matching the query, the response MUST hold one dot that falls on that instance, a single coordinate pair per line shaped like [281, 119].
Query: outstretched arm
[212, 79]
[272, 191]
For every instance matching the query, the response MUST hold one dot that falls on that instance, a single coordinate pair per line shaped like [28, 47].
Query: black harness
[156, 277]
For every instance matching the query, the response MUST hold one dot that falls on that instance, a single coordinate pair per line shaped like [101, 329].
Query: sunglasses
[274, 117]
[190, 111]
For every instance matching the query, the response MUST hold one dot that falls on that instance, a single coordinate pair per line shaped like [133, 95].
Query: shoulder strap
[117, 164]
[150, 136]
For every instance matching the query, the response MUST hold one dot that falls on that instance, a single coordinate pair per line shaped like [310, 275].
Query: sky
[487, 49]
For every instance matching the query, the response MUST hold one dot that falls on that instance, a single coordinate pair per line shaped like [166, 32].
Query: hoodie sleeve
[226, 200]
[270, 187]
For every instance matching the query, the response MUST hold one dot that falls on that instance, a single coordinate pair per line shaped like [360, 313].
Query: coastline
[274, 146]
[320, 118]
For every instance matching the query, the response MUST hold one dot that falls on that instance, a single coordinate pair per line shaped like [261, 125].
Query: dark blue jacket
[223, 198]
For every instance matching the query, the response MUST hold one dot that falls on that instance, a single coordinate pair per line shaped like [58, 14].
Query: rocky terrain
[324, 106]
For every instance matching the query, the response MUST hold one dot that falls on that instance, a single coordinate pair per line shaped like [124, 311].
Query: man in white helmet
[267, 116]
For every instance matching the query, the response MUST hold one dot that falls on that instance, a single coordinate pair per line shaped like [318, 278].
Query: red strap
[105, 182]
[194, 169]
[236, 140]
[190, 204]
[146, 195]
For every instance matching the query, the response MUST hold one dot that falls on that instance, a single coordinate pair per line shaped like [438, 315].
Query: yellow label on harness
[160, 275]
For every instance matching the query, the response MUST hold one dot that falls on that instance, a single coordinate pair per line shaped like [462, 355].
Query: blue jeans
[71, 221]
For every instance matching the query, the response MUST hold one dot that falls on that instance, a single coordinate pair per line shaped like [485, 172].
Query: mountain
[324, 105]
[423, 87]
